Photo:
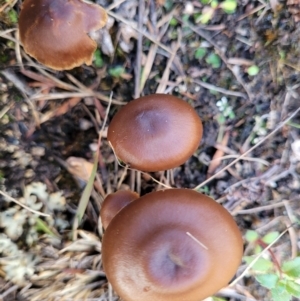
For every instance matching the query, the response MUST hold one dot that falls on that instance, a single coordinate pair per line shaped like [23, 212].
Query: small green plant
[200, 53]
[117, 71]
[253, 70]
[213, 60]
[225, 109]
[204, 189]
[98, 59]
[259, 130]
[210, 8]
[13, 16]
[283, 280]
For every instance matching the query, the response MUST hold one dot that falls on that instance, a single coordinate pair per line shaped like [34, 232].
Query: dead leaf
[80, 168]
[63, 109]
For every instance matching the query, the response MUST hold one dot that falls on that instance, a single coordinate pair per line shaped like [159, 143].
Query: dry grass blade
[83, 202]
[6, 109]
[138, 64]
[4, 33]
[148, 66]
[90, 184]
[249, 150]
[164, 80]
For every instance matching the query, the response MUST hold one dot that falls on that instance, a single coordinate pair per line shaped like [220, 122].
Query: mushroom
[155, 132]
[56, 32]
[174, 244]
[113, 203]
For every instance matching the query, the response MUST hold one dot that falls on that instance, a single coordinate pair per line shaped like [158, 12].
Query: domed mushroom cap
[155, 132]
[174, 245]
[55, 32]
[113, 203]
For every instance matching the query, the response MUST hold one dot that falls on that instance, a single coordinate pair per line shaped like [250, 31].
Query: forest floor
[239, 69]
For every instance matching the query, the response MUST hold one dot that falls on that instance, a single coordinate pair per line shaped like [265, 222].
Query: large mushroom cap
[155, 132]
[55, 32]
[174, 245]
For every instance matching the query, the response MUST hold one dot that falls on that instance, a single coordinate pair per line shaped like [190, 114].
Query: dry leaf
[80, 167]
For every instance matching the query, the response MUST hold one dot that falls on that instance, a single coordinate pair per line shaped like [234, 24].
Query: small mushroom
[56, 32]
[155, 132]
[113, 203]
[174, 244]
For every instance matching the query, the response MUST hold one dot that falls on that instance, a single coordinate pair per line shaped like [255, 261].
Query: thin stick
[259, 209]
[85, 197]
[262, 161]
[196, 240]
[218, 89]
[52, 96]
[22, 205]
[115, 4]
[163, 83]
[139, 51]
[249, 150]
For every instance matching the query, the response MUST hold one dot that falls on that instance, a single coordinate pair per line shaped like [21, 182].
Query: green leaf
[200, 53]
[41, 226]
[229, 6]
[173, 22]
[13, 16]
[279, 293]
[251, 235]
[205, 17]
[253, 70]
[116, 71]
[270, 237]
[168, 5]
[261, 265]
[267, 280]
[213, 60]
[214, 3]
[98, 59]
[293, 288]
[280, 296]
[205, 1]
[258, 249]
[292, 267]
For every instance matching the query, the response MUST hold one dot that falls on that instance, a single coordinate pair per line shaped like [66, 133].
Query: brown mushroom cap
[113, 203]
[55, 32]
[148, 254]
[155, 132]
